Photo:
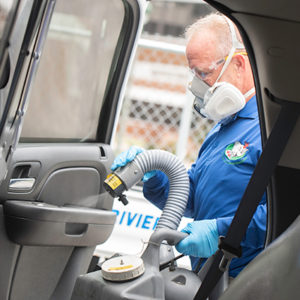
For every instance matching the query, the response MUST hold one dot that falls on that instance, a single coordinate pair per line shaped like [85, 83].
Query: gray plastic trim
[46, 212]
[33, 223]
[45, 159]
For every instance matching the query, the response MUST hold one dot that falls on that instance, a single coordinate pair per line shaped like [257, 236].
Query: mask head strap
[249, 93]
[236, 44]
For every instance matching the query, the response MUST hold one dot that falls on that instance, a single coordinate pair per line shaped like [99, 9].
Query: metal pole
[185, 125]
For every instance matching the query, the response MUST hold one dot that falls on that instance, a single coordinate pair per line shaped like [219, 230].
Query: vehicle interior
[54, 208]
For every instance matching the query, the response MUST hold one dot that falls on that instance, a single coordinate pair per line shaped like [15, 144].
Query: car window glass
[70, 82]
[157, 111]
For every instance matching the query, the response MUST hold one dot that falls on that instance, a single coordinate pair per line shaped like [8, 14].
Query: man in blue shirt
[224, 91]
[217, 183]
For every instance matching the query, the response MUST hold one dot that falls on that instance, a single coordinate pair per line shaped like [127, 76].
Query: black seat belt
[229, 246]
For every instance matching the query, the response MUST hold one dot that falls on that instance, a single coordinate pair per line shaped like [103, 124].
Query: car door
[54, 210]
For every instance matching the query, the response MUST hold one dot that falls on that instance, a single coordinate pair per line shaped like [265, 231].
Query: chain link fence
[157, 111]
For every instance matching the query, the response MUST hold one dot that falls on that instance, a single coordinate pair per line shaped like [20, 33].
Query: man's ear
[239, 61]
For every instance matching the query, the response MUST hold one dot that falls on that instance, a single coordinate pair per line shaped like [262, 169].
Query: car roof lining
[278, 9]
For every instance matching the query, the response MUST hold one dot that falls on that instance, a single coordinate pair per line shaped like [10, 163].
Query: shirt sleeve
[189, 211]
[255, 235]
[156, 190]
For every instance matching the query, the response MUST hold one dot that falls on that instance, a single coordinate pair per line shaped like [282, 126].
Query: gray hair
[218, 25]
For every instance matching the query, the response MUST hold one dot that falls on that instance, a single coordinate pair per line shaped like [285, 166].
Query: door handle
[21, 184]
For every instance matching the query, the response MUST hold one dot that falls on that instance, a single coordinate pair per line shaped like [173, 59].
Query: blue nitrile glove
[202, 240]
[127, 156]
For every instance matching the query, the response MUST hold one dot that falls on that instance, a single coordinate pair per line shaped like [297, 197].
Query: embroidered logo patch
[236, 153]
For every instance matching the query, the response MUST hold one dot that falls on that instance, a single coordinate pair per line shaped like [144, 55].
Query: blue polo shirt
[218, 179]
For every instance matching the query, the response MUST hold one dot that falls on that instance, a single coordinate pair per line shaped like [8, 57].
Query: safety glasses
[205, 74]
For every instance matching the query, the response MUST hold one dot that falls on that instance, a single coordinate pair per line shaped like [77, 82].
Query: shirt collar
[250, 109]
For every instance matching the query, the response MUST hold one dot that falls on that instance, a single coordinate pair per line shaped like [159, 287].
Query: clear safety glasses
[204, 75]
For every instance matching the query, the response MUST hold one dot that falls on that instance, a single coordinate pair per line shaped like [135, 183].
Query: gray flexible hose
[178, 184]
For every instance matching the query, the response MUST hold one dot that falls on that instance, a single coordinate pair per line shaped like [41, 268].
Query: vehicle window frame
[107, 114]
[117, 73]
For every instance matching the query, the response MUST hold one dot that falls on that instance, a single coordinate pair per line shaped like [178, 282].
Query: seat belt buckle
[229, 253]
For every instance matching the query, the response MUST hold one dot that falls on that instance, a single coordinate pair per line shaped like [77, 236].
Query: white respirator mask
[222, 99]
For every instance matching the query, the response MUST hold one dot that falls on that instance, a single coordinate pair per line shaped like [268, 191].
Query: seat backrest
[274, 274]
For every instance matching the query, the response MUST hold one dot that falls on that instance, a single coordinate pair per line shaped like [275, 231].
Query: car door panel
[61, 219]
[65, 204]
[53, 207]
[42, 160]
